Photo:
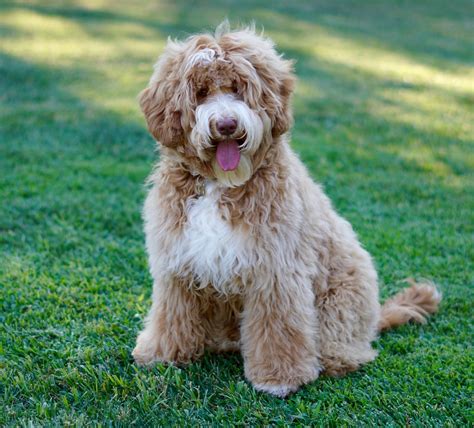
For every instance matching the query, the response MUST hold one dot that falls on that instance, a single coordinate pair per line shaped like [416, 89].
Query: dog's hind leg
[349, 313]
[173, 329]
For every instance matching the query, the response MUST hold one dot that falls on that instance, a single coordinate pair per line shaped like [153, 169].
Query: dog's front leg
[280, 335]
[173, 330]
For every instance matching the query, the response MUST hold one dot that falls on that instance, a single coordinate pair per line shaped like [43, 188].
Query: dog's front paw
[146, 350]
[281, 381]
[281, 391]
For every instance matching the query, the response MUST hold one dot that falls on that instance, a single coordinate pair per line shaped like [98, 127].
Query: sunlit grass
[118, 55]
[380, 62]
[123, 51]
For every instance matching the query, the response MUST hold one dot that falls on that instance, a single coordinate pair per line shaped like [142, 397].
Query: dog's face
[218, 103]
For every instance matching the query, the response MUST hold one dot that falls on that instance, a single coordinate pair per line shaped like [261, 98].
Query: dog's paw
[146, 351]
[280, 391]
[144, 357]
[286, 382]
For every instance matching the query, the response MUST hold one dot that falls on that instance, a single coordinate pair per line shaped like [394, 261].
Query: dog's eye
[201, 93]
[235, 88]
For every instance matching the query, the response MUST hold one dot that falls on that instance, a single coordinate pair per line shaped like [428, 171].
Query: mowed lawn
[384, 120]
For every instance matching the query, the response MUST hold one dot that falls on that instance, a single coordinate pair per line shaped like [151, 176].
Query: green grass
[384, 119]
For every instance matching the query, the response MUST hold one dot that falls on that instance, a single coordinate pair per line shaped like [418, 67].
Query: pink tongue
[228, 155]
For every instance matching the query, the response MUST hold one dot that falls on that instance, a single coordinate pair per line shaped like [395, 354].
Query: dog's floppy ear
[161, 101]
[164, 122]
[283, 118]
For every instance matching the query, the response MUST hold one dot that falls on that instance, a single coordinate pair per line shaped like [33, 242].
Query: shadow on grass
[73, 175]
[396, 26]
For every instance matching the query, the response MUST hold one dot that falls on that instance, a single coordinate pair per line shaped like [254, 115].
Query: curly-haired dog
[246, 252]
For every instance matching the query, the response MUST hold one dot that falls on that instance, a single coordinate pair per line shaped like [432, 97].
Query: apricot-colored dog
[246, 252]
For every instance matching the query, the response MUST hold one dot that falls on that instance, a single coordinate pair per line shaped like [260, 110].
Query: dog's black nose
[226, 126]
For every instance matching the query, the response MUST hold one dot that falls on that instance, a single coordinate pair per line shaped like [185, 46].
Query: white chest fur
[213, 250]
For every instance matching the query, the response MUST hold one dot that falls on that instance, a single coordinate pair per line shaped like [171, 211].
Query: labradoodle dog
[246, 252]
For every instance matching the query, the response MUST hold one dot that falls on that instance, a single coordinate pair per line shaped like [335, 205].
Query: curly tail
[414, 303]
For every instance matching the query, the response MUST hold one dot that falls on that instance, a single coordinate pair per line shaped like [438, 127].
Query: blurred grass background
[384, 119]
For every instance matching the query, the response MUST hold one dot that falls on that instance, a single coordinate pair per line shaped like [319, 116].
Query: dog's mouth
[228, 152]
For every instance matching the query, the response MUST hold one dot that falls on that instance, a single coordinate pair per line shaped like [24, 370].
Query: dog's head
[217, 103]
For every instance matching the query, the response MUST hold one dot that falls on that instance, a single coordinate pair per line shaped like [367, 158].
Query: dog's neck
[240, 205]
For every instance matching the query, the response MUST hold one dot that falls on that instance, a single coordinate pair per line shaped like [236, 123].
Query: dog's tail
[414, 303]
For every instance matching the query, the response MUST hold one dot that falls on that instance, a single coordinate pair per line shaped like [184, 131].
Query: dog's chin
[238, 176]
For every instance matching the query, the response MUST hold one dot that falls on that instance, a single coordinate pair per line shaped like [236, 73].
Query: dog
[245, 250]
